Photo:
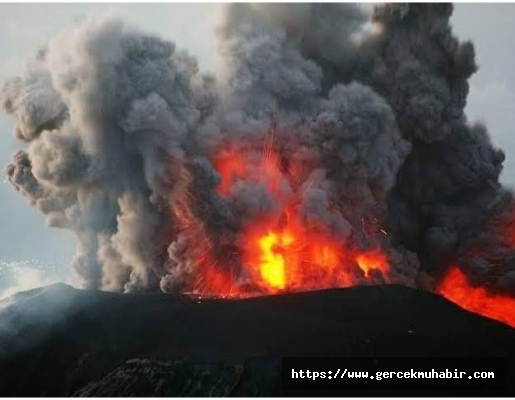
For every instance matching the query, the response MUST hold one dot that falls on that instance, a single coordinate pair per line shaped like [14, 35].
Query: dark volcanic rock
[62, 341]
[179, 378]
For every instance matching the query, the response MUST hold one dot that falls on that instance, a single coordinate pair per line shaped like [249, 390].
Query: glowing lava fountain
[279, 249]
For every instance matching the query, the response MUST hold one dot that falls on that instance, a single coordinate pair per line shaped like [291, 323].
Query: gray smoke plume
[106, 110]
[124, 131]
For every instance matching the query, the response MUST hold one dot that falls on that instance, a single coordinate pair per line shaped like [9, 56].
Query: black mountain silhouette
[58, 341]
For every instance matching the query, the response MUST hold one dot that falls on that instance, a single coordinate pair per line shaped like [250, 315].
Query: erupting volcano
[332, 150]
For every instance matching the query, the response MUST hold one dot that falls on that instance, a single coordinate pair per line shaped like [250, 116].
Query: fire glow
[279, 251]
[294, 259]
[456, 288]
[272, 263]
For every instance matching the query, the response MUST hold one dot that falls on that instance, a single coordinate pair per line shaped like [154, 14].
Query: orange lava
[293, 259]
[231, 165]
[290, 258]
[456, 288]
[272, 263]
[370, 260]
[276, 250]
[280, 252]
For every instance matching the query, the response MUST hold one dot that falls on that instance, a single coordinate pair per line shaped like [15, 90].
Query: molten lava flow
[456, 287]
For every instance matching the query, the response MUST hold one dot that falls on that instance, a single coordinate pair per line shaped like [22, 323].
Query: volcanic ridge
[58, 341]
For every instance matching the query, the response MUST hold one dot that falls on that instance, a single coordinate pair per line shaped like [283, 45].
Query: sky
[33, 254]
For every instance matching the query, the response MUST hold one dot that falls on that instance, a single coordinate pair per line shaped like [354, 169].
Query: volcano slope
[58, 340]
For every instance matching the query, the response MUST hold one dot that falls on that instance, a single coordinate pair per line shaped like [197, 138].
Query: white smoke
[25, 275]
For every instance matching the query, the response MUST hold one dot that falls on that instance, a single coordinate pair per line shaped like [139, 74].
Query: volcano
[58, 341]
[215, 214]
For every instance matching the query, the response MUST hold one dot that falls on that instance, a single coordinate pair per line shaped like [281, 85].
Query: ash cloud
[104, 108]
[122, 128]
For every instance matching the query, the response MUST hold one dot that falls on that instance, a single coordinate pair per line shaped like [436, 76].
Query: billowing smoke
[363, 114]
